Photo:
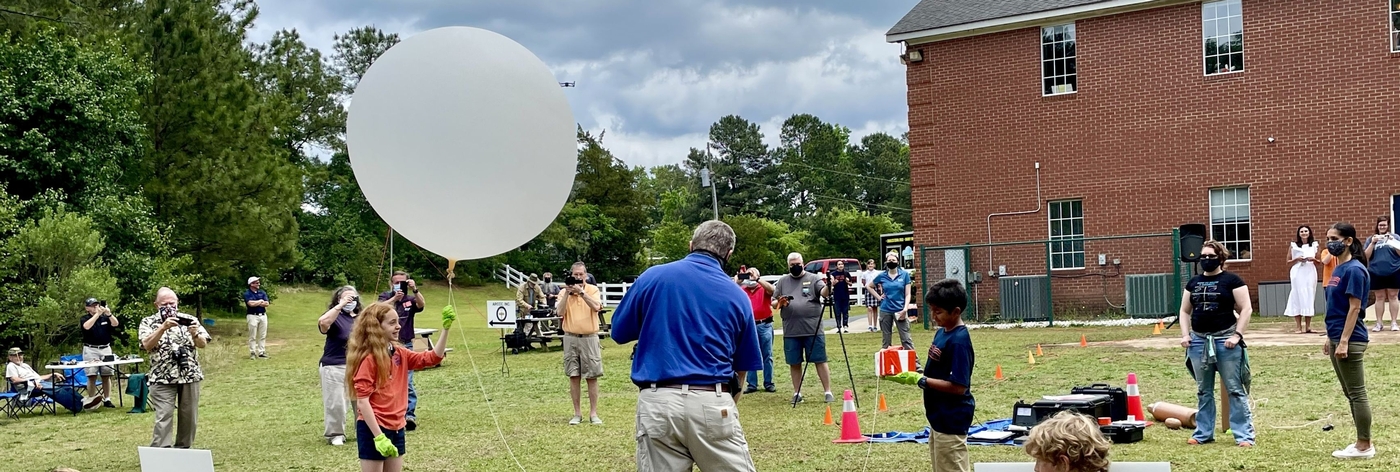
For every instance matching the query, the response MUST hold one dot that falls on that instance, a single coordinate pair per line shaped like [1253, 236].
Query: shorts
[365, 441]
[583, 356]
[804, 349]
[1385, 282]
[95, 354]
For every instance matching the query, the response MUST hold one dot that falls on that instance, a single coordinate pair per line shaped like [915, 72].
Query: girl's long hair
[368, 338]
[1299, 239]
[1346, 230]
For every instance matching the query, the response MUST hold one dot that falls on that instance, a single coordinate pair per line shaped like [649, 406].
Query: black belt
[768, 320]
[718, 387]
[95, 346]
[581, 335]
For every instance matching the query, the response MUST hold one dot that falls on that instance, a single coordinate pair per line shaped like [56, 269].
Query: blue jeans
[765, 349]
[1227, 363]
[412, 392]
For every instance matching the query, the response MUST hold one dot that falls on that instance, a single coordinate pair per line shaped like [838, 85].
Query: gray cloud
[656, 74]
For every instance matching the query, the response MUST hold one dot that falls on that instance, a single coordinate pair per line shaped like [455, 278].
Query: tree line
[150, 143]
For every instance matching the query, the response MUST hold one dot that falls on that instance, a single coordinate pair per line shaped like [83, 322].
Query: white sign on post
[500, 314]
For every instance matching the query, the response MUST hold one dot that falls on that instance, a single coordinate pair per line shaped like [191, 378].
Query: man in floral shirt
[171, 338]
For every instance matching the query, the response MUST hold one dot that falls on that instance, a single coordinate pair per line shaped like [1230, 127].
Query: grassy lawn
[265, 415]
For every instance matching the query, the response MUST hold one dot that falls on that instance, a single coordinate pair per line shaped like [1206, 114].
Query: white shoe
[596, 420]
[830, 398]
[1378, 327]
[1351, 453]
[1394, 327]
[338, 440]
[575, 420]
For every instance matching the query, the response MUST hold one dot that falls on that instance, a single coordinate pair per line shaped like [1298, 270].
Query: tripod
[826, 302]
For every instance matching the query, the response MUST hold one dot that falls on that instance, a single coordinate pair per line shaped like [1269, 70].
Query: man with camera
[256, 302]
[403, 294]
[579, 305]
[171, 338]
[98, 326]
[696, 340]
[800, 297]
[760, 294]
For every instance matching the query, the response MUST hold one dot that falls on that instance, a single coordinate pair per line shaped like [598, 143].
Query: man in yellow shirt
[579, 304]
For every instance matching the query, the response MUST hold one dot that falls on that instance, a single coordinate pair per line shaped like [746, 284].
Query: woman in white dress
[1302, 275]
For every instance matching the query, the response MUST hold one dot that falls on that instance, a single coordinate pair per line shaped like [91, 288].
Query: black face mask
[548, 280]
[795, 270]
[1336, 248]
[891, 265]
[1210, 265]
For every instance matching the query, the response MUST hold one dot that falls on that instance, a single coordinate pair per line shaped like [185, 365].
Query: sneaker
[262, 355]
[337, 440]
[1377, 329]
[830, 398]
[1394, 327]
[252, 356]
[92, 403]
[751, 389]
[575, 420]
[770, 388]
[1351, 453]
[595, 420]
[797, 398]
[107, 403]
[411, 424]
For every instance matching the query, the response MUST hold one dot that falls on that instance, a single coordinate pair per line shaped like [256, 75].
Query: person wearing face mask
[800, 299]
[760, 294]
[171, 338]
[1383, 254]
[336, 324]
[1347, 339]
[1214, 338]
[892, 290]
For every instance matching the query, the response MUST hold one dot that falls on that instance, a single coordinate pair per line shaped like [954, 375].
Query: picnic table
[426, 334]
[116, 365]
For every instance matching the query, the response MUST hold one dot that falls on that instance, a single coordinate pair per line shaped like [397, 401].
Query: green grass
[266, 415]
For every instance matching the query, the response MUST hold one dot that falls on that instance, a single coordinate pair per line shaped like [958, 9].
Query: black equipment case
[1121, 433]
[1119, 408]
[1027, 415]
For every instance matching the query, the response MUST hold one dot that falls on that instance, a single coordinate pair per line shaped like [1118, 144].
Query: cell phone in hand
[743, 276]
[403, 286]
[185, 320]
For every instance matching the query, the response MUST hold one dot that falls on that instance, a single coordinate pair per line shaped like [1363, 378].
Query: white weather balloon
[462, 141]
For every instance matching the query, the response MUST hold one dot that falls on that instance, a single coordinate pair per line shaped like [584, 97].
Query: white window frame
[1204, 5]
[1072, 39]
[1393, 19]
[1235, 206]
[1050, 228]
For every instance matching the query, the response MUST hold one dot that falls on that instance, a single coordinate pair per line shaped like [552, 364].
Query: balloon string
[451, 301]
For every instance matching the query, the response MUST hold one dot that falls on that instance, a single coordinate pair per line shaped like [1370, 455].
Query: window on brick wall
[1229, 220]
[1222, 28]
[1394, 25]
[1057, 69]
[1067, 234]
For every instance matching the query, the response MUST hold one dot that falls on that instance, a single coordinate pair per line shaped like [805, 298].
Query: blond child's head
[1068, 442]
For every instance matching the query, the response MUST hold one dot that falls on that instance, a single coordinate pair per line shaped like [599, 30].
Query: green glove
[449, 315]
[385, 446]
[906, 378]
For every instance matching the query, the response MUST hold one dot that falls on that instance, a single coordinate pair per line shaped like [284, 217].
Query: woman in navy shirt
[1346, 332]
[336, 324]
[1213, 337]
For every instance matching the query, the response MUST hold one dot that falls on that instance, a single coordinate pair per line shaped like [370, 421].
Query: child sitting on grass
[947, 378]
[378, 373]
[1068, 442]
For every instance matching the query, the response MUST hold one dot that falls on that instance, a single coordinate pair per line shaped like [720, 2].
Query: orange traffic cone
[999, 377]
[1157, 330]
[827, 421]
[1030, 357]
[850, 422]
[1083, 341]
[1039, 352]
[883, 406]
[1135, 412]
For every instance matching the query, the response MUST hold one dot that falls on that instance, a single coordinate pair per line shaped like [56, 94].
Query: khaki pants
[949, 452]
[678, 429]
[165, 399]
[333, 399]
[257, 334]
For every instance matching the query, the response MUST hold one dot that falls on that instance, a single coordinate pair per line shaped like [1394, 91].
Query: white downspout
[991, 265]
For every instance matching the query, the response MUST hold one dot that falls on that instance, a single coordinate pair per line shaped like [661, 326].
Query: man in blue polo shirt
[256, 301]
[695, 341]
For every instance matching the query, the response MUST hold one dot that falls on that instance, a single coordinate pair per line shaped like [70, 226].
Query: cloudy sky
[656, 73]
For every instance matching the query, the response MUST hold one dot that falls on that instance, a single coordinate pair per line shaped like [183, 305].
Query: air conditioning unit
[1023, 298]
[1150, 295]
[1066, 88]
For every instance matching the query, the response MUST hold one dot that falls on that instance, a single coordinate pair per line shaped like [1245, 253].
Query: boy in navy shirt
[947, 378]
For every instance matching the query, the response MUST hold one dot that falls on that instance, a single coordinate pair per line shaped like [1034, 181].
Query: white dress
[1303, 278]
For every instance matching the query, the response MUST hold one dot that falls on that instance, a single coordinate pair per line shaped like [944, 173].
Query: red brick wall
[1147, 135]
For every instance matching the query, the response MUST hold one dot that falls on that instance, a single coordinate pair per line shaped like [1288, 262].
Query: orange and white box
[894, 361]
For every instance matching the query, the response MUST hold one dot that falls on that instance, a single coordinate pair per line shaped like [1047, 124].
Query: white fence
[512, 278]
[613, 293]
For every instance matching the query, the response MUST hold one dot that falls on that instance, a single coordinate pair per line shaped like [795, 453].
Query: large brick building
[1250, 116]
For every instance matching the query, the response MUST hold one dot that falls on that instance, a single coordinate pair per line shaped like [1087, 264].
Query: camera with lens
[183, 356]
[102, 303]
[570, 280]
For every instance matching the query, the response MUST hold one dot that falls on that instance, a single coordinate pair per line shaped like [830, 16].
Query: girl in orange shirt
[377, 371]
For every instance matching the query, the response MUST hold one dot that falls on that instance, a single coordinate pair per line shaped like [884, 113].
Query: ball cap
[253, 279]
[90, 302]
[14, 351]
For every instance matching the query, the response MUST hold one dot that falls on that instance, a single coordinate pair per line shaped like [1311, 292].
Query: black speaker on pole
[1193, 236]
